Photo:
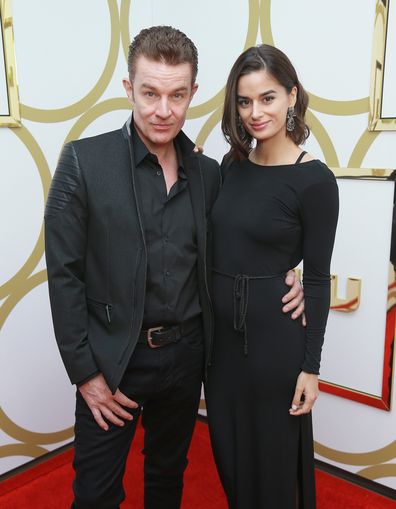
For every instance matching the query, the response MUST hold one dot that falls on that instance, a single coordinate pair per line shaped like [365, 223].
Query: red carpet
[48, 485]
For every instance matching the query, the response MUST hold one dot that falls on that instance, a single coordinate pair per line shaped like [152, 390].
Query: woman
[278, 206]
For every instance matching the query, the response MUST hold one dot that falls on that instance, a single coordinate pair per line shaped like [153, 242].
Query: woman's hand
[306, 393]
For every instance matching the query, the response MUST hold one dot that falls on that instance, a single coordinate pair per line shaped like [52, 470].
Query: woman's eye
[243, 102]
[269, 98]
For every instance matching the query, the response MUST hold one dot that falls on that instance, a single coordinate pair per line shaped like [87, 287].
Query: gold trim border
[382, 401]
[7, 31]
[376, 122]
[363, 173]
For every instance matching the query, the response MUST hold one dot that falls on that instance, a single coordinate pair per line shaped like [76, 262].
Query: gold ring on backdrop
[118, 103]
[209, 125]
[321, 104]
[341, 108]
[68, 112]
[24, 272]
[381, 455]
[20, 290]
[323, 138]
[378, 471]
[31, 451]
[124, 26]
[31, 437]
[45, 176]
[217, 100]
[22, 282]
[265, 23]
[362, 147]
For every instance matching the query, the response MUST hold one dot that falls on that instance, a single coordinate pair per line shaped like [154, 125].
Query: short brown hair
[163, 44]
[278, 65]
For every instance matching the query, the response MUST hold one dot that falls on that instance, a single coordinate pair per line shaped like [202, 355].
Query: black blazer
[96, 251]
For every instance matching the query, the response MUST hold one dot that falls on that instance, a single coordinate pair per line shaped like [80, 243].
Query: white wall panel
[61, 54]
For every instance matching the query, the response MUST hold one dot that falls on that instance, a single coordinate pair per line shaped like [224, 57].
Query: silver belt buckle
[149, 338]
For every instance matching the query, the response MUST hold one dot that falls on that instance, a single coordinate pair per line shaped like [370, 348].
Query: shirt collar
[141, 151]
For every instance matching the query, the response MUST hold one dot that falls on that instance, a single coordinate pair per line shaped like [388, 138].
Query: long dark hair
[278, 65]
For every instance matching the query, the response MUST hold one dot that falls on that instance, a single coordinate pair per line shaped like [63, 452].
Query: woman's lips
[260, 125]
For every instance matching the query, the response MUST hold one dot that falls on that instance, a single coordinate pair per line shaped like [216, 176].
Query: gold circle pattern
[68, 112]
[30, 437]
[22, 283]
[31, 451]
[358, 458]
[217, 100]
[119, 103]
[378, 471]
[45, 175]
[316, 103]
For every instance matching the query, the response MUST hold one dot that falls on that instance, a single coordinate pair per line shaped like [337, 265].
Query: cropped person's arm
[65, 243]
[66, 217]
[319, 217]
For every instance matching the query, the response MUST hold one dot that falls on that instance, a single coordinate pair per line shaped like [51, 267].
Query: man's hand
[307, 385]
[294, 299]
[103, 403]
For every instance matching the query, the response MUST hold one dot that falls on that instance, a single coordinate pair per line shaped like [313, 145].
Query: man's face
[160, 94]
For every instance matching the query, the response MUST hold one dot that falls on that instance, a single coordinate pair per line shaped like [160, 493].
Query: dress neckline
[289, 165]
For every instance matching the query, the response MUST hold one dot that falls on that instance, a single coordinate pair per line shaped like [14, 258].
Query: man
[127, 258]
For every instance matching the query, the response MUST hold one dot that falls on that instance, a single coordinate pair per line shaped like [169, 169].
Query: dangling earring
[290, 123]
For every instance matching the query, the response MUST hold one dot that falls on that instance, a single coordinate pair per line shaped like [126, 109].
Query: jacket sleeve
[65, 245]
[319, 215]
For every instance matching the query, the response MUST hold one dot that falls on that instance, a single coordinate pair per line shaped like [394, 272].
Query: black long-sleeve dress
[265, 221]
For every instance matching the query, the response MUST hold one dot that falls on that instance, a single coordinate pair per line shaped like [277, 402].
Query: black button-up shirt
[172, 284]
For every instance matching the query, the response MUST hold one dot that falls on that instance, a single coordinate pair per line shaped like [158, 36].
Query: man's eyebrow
[182, 88]
[147, 85]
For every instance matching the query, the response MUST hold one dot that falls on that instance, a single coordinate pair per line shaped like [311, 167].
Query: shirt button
[167, 273]
[159, 172]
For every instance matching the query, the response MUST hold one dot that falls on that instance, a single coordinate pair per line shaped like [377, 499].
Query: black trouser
[166, 382]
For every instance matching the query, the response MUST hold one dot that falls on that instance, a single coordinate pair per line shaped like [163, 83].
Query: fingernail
[294, 407]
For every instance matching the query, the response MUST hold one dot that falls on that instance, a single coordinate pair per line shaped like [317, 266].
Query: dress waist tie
[241, 300]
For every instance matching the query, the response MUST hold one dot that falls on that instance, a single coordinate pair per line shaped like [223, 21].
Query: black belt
[162, 335]
[241, 299]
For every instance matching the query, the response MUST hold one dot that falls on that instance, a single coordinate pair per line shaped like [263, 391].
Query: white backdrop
[70, 72]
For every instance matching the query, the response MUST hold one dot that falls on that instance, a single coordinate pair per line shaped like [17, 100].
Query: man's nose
[163, 109]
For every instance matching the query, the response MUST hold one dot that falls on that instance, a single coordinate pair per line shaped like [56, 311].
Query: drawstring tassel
[241, 294]
[241, 299]
[245, 344]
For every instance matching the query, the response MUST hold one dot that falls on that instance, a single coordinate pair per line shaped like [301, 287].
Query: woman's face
[262, 104]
